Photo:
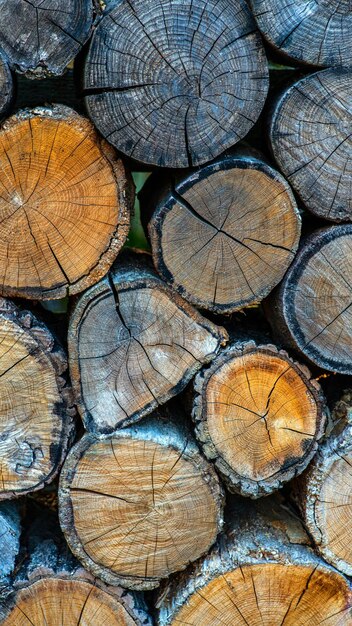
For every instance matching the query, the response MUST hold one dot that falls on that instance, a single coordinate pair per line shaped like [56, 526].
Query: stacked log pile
[176, 434]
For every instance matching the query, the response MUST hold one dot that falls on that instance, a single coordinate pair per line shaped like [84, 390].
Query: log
[140, 505]
[175, 83]
[261, 572]
[10, 531]
[7, 87]
[133, 345]
[310, 134]
[313, 33]
[41, 37]
[64, 206]
[258, 416]
[36, 425]
[310, 311]
[224, 235]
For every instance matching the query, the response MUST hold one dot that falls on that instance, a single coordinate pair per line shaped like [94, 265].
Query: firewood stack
[176, 443]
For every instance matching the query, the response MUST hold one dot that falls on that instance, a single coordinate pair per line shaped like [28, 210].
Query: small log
[10, 531]
[175, 83]
[140, 505]
[224, 235]
[36, 404]
[261, 572]
[64, 206]
[258, 416]
[7, 88]
[314, 33]
[134, 344]
[310, 311]
[41, 37]
[310, 133]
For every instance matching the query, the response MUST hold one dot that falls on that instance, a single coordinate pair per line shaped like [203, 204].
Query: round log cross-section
[64, 204]
[311, 138]
[174, 83]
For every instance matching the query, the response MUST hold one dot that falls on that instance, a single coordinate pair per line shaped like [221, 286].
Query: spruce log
[134, 344]
[261, 573]
[36, 404]
[140, 505]
[174, 83]
[311, 310]
[316, 33]
[7, 88]
[310, 133]
[224, 235]
[64, 205]
[40, 37]
[258, 416]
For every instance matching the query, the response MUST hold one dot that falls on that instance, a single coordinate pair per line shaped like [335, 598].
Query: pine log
[262, 572]
[7, 88]
[64, 205]
[140, 505]
[10, 530]
[36, 411]
[40, 37]
[310, 311]
[224, 235]
[258, 416]
[175, 83]
[314, 33]
[310, 133]
[134, 344]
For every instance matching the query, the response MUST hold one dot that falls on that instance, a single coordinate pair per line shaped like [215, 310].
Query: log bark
[10, 531]
[258, 416]
[134, 344]
[64, 204]
[224, 235]
[310, 134]
[310, 311]
[41, 37]
[174, 83]
[314, 33]
[140, 505]
[7, 87]
[36, 403]
[323, 492]
[261, 572]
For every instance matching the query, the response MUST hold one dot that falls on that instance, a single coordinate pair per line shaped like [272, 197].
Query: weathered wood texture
[140, 505]
[310, 133]
[174, 83]
[311, 310]
[224, 235]
[317, 33]
[10, 530]
[258, 416]
[133, 344]
[261, 572]
[64, 205]
[40, 37]
[7, 87]
[36, 403]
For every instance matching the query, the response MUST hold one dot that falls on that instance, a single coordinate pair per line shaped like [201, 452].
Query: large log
[134, 344]
[258, 416]
[311, 310]
[224, 235]
[140, 505]
[175, 83]
[315, 33]
[262, 572]
[310, 133]
[64, 205]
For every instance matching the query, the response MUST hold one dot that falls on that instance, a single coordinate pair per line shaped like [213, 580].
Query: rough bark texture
[133, 344]
[310, 133]
[6, 87]
[258, 416]
[317, 33]
[260, 573]
[10, 530]
[36, 403]
[224, 235]
[64, 205]
[140, 505]
[40, 37]
[173, 82]
[310, 311]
